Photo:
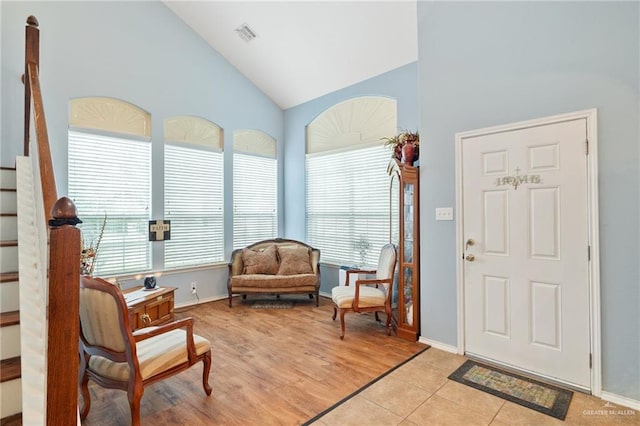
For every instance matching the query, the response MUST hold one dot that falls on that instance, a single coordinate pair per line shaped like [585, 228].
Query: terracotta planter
[408, 154]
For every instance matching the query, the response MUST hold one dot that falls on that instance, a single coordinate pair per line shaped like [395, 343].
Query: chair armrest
[373, 281]
[156, 331]
[357, 271]
[359, 283]
[183, 323]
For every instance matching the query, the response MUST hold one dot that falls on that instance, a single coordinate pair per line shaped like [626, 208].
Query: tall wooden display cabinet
[408, 300]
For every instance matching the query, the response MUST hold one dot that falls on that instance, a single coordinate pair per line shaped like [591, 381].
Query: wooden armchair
[114, 357]
[370, 295]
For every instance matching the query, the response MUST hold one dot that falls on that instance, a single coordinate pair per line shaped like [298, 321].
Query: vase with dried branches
[398, 142]
[89, 252]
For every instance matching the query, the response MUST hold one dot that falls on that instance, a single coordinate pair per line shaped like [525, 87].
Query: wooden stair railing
[64, 253]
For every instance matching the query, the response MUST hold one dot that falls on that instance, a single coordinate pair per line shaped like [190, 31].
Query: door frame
[590, 115]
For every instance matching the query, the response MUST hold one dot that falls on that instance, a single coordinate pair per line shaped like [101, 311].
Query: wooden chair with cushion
[115, 357]
[368, 295]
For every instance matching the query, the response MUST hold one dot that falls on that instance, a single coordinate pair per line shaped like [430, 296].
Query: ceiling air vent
[246, 33]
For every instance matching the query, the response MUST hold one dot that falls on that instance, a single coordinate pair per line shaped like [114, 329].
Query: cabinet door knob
[146, 319]
[470, 258]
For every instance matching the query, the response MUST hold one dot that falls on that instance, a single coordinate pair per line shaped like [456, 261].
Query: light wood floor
[270, 367]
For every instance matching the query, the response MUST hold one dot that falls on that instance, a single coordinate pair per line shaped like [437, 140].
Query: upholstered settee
[277, 266]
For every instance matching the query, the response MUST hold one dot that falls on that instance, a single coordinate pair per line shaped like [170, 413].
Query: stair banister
[64, 253]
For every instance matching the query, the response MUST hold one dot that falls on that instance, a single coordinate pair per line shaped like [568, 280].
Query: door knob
[470, 258]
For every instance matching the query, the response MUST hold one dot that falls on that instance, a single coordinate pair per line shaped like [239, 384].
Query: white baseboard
[439, 345]
[621, 400]
[199, 302]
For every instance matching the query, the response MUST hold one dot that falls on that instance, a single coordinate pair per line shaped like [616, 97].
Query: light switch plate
[444, 213]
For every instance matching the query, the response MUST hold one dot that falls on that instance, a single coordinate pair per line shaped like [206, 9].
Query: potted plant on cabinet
[405, 146]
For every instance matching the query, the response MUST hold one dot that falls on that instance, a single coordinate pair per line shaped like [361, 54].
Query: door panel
[526, 291]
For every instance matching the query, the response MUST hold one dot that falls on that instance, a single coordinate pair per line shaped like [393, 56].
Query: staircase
[39, 297]
[10, 370]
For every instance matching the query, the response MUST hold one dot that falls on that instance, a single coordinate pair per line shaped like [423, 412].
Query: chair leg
[135, 395]
[388, 324]
[230, 300]
[342, 312]
[205, 372]
[377, 317]
[335, 312]
[84, 389]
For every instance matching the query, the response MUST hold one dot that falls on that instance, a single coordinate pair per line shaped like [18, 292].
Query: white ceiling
[306, 49]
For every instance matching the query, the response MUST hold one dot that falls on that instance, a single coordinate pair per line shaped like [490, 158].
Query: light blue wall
[399, 84]
[139, 52]
[483, 64]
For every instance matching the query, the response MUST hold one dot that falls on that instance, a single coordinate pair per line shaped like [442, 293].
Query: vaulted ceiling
[306, 49]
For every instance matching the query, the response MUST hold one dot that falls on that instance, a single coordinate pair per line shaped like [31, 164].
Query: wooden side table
[149, 307]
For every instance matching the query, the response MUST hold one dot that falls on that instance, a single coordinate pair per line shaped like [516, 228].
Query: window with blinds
[193, 202]
[112, 176]
[348, 204]
[255, 184]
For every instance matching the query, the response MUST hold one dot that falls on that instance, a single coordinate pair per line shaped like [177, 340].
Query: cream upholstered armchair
[370, 295]
[114, 357]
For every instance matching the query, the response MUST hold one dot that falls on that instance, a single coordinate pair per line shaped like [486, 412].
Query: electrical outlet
[194, 287]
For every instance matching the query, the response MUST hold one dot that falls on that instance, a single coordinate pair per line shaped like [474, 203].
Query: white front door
[526, 270]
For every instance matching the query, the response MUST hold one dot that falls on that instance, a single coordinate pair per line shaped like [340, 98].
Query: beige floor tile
[514, 414]
[442, 360]
[441, 411]
[472, 398]
[398, 396]
[406, 422]
[498, 423]
[422, 375]
[360, 411]
[576, 408]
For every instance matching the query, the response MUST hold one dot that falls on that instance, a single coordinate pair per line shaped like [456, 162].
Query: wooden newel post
[31, 55]
[63, 314]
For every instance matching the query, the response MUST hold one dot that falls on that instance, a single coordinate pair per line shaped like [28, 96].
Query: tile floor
[419, 393]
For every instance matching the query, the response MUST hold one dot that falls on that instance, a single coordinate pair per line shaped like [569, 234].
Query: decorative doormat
[272, 304]
[550, 400]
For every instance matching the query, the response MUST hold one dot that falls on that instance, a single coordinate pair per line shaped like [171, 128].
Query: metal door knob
[470, 258]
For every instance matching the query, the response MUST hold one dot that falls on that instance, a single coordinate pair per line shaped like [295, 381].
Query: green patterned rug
[547, 399]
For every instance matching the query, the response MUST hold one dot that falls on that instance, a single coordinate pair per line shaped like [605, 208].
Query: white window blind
[193, 201]
[254, 199]
[112, 176]
[348, 204]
